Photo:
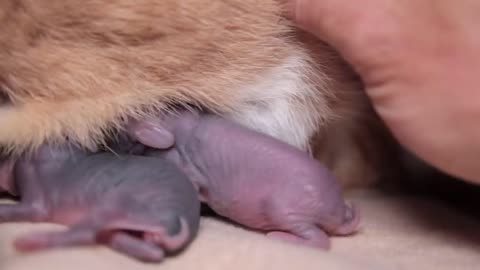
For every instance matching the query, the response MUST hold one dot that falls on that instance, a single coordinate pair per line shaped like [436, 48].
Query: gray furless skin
[251, 178]
[138, 206]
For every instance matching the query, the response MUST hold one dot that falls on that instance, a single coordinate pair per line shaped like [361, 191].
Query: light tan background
[398, 232]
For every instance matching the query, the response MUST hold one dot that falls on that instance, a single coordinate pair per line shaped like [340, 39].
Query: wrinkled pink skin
[136, 205]
[251, 178]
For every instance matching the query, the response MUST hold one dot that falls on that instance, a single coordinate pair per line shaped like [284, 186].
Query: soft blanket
[399, 232]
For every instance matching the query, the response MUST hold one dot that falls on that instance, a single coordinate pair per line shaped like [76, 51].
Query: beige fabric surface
[398, 232]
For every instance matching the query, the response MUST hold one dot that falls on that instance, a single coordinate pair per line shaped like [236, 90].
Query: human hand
[420, 63]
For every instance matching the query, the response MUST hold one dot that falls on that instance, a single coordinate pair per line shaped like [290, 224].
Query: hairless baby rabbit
[139, 206]
[251, 178]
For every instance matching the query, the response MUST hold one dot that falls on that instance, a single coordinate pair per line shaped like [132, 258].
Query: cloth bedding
[398, 232]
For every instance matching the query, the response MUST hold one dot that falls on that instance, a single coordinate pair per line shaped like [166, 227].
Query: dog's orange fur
[79, 69]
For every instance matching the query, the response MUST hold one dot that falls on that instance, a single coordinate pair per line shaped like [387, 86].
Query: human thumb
[346, 25]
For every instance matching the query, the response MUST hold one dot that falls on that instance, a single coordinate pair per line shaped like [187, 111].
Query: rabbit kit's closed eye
[77, 69]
